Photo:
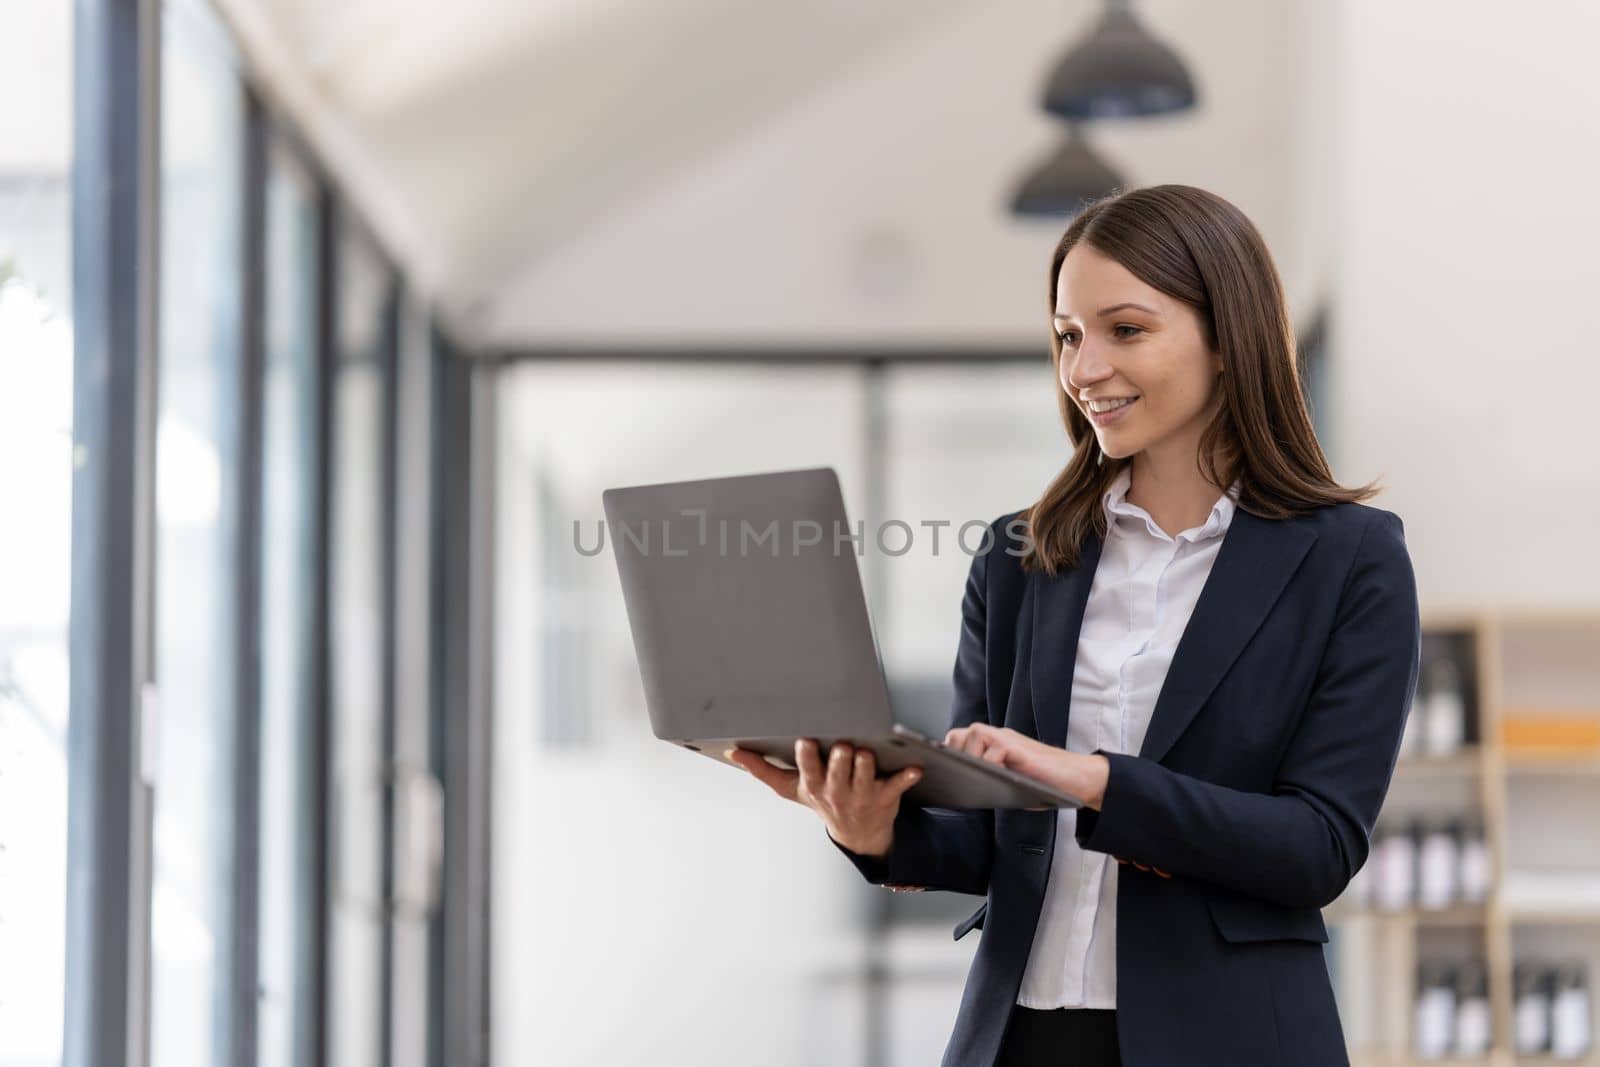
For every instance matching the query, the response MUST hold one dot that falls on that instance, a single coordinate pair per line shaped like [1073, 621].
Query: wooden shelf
[1498, 1057]
[1495, 1058]
[1455, 915]
[1514, 657]
[1525, 765]
[1554, 916]
[1468, 761]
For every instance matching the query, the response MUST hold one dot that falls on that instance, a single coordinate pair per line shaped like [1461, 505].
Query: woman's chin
[1114, 448]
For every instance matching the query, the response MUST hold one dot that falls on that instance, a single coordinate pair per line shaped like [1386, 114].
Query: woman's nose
[1087, 368]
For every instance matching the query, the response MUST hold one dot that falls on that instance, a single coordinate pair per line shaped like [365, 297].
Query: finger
[840, 758]
[1119, 859]
[976, 733]
[760, 767]
[746, 760]
[810, 764]
[1162, 873]
[995, 754]
[777, 779]
[903, 779]
[1141, 866]
[866, 771]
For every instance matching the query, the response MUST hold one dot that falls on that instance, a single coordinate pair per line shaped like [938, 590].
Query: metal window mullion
[389, 362]
[483, 433]
[243, 928]
[458, 990]
[315, 845]
[446, 477]
[115, 223]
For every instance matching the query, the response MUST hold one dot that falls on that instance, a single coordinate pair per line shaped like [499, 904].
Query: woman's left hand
[1074, 773]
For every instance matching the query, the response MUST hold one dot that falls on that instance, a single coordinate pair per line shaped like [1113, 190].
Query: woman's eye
[1067, 337]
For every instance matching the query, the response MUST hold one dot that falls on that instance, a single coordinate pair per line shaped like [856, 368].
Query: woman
[1221, 674]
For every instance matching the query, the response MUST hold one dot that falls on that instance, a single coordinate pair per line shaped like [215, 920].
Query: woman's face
[1122, 338]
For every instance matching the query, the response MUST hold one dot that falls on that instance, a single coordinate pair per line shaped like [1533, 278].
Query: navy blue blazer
[1268, 754]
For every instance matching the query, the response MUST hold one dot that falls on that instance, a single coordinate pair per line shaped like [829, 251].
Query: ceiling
[496, 144]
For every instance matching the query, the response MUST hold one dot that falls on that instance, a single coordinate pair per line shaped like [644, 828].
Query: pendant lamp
[1069, 179]
[1118, 71]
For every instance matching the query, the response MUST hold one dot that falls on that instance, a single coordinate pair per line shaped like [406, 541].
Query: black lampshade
[1071, 177]
[1118, 71]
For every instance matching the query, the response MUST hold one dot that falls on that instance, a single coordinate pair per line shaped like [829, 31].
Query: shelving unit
[1543, 806]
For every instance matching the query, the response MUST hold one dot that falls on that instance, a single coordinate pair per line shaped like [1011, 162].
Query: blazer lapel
[1253, 565]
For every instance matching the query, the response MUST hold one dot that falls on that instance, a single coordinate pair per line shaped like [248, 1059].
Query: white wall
[1466, 364]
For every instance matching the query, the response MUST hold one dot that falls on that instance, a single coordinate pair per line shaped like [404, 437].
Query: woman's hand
[1142, 867]
[857, 808]
[1071, 772]
[1079, 775]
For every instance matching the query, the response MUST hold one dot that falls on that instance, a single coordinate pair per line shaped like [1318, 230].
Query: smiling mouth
[1092, 413]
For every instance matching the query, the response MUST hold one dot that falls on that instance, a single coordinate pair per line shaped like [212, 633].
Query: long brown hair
[1198, 248]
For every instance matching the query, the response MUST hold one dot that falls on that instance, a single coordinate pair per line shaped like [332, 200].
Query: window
[287, 860]
[197, 470]
[359, 605]
[566, 433]
[36, 377]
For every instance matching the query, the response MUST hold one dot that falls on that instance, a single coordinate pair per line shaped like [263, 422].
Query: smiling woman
[1205, 638]
[1174, 351]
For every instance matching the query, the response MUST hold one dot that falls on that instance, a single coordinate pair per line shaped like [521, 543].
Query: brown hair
[1198, 248]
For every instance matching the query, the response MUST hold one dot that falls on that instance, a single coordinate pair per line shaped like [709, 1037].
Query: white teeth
[1098, 406]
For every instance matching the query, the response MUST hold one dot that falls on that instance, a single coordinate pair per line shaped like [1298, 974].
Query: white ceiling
[495, 142]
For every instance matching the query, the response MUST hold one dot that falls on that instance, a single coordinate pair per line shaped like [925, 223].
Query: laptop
[748, 617]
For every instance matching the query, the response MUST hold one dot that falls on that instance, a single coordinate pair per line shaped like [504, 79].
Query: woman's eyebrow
[1103, 312]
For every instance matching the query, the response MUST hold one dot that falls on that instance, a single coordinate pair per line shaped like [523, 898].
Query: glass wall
[237, 761]
[288, 513]
[196, 542]
[589, 884]
[36, 376]
[919, 445]
[961, 443]
[360, 663]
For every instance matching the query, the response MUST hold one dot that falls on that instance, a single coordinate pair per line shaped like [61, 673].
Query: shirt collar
[1116, 503]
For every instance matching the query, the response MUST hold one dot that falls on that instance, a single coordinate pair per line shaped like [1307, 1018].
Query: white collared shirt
[1144, 589]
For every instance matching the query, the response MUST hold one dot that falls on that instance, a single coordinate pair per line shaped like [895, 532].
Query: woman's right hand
[858, 809]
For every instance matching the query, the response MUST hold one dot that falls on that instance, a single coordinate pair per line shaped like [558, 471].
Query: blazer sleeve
[945, 848]
[1298, 845]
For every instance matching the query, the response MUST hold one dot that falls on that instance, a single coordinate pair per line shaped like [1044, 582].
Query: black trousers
[1062, 1037]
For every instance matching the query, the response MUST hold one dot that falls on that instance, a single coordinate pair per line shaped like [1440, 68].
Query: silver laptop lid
[745, 602]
